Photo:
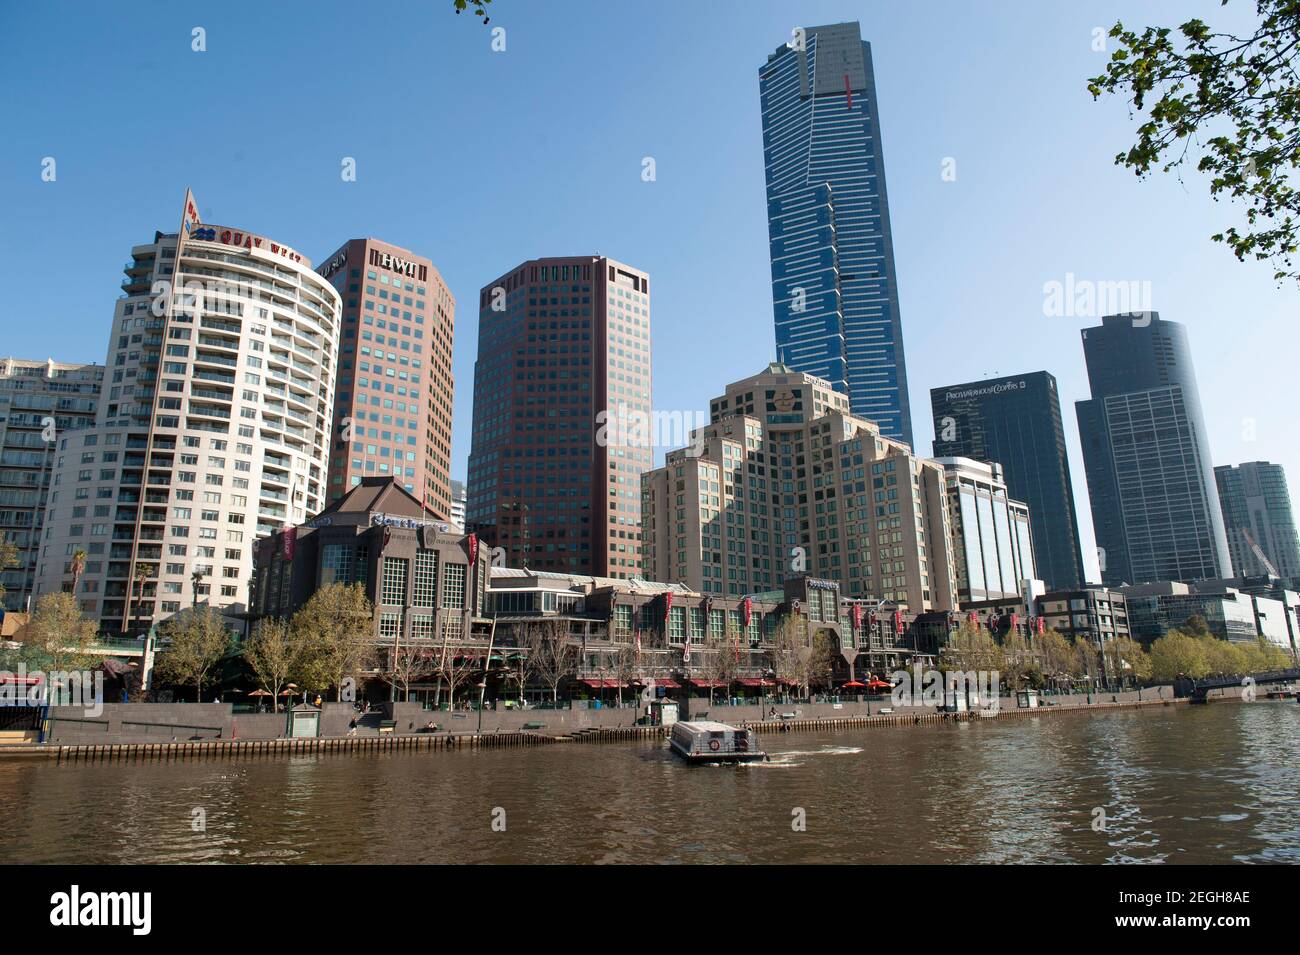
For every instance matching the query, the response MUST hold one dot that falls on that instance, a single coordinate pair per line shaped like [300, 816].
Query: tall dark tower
[1155, 507]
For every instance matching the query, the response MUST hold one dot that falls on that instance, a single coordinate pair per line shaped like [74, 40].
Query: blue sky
[481, 159]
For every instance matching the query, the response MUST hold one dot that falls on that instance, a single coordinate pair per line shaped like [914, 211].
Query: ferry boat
[711, 742]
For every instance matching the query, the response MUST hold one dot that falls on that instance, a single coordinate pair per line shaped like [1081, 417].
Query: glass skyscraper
[1257, 516]
[1155, 509]
[834, 291]
[1016, 422]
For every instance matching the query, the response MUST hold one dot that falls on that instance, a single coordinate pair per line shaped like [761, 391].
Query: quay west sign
[385, 260]
[245, 240]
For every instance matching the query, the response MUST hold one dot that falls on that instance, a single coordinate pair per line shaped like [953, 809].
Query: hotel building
[39, 401]
[785, 481]
[392, 409]
[213, 428]
[563, 357]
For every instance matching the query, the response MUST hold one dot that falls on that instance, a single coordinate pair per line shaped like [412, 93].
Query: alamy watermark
[80, 688]
[976, 689]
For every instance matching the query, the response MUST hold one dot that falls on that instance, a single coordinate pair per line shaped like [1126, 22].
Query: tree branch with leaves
[1232, 104]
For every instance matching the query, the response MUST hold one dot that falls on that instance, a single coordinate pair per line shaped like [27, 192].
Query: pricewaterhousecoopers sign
[997, 389]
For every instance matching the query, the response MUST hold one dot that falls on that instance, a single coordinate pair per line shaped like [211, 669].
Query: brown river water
[1204, 784]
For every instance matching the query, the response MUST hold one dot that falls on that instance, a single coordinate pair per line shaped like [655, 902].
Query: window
[393, 591]
[453, 586]
[426, 579]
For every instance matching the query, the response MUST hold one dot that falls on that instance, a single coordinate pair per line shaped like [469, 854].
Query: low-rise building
[426, 581]
[1229, 612]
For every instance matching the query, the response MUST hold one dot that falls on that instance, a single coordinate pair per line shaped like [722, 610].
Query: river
[1185, 784]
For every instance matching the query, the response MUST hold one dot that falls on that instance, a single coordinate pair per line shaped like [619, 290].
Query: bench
[534, 726]
[387, 726]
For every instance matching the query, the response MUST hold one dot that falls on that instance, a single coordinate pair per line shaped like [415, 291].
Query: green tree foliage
[193, 643]
[1231, 104]
[336, 629]
[478, 6]
[8, 558]
[58, 634]
[277, 655]
[1178, 654]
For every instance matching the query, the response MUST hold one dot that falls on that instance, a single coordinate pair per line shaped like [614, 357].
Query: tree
[8, 558]
[479, 7]
[1176, 654]
[142, 574]
[1055, 655]
[77, 567]
[1016, 658]
[193, 644]
[971, 647]
[336, 627]
[789, 641]
[59, 633]
[718, 663]
[276, 655]
[1232, 100]
[626, 666]
[551, 656]
[407, 664]
[1125, 657]
[455, 666]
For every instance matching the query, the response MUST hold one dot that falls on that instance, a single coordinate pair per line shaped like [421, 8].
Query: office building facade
[39, 401]
[1016, 423]
[392, 409]
[562, 377]
[213, 428]
[1155, 509]
[1258, 520]
[992, 545]
[834, 287]
[785, 481]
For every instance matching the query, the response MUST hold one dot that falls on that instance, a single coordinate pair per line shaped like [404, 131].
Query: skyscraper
[213, 427]
[392, 411]
[1016, 422]
[991, 539]
[834, 290]
[563, 357]
[39, 402]
[1257, 514]
[1155, 511]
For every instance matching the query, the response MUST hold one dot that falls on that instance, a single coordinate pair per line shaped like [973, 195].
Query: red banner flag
[898, 621]
[1042, 627]
[288, 542]
[746, 609]
[668, 602]
[857, 616]
[472, 540]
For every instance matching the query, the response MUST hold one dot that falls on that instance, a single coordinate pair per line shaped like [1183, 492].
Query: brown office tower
[392, 410]
[561, 382]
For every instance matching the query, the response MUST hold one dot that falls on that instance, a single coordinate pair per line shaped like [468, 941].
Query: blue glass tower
[834, 291]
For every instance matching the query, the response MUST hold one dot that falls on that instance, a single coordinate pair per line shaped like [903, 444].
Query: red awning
[752, 681]
[604, 684]
[853, 683]
[707, 684]
[668, 684]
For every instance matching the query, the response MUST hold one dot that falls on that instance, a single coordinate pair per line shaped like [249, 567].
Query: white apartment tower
[213, 428]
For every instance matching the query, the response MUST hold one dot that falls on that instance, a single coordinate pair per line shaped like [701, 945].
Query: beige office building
[213, 427]
[785, 481]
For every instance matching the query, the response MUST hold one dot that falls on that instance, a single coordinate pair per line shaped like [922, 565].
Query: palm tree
[78, 567]
[197, 578]
[141, 578]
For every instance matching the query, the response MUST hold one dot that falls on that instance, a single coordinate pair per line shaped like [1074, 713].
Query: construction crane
[1259, 555]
